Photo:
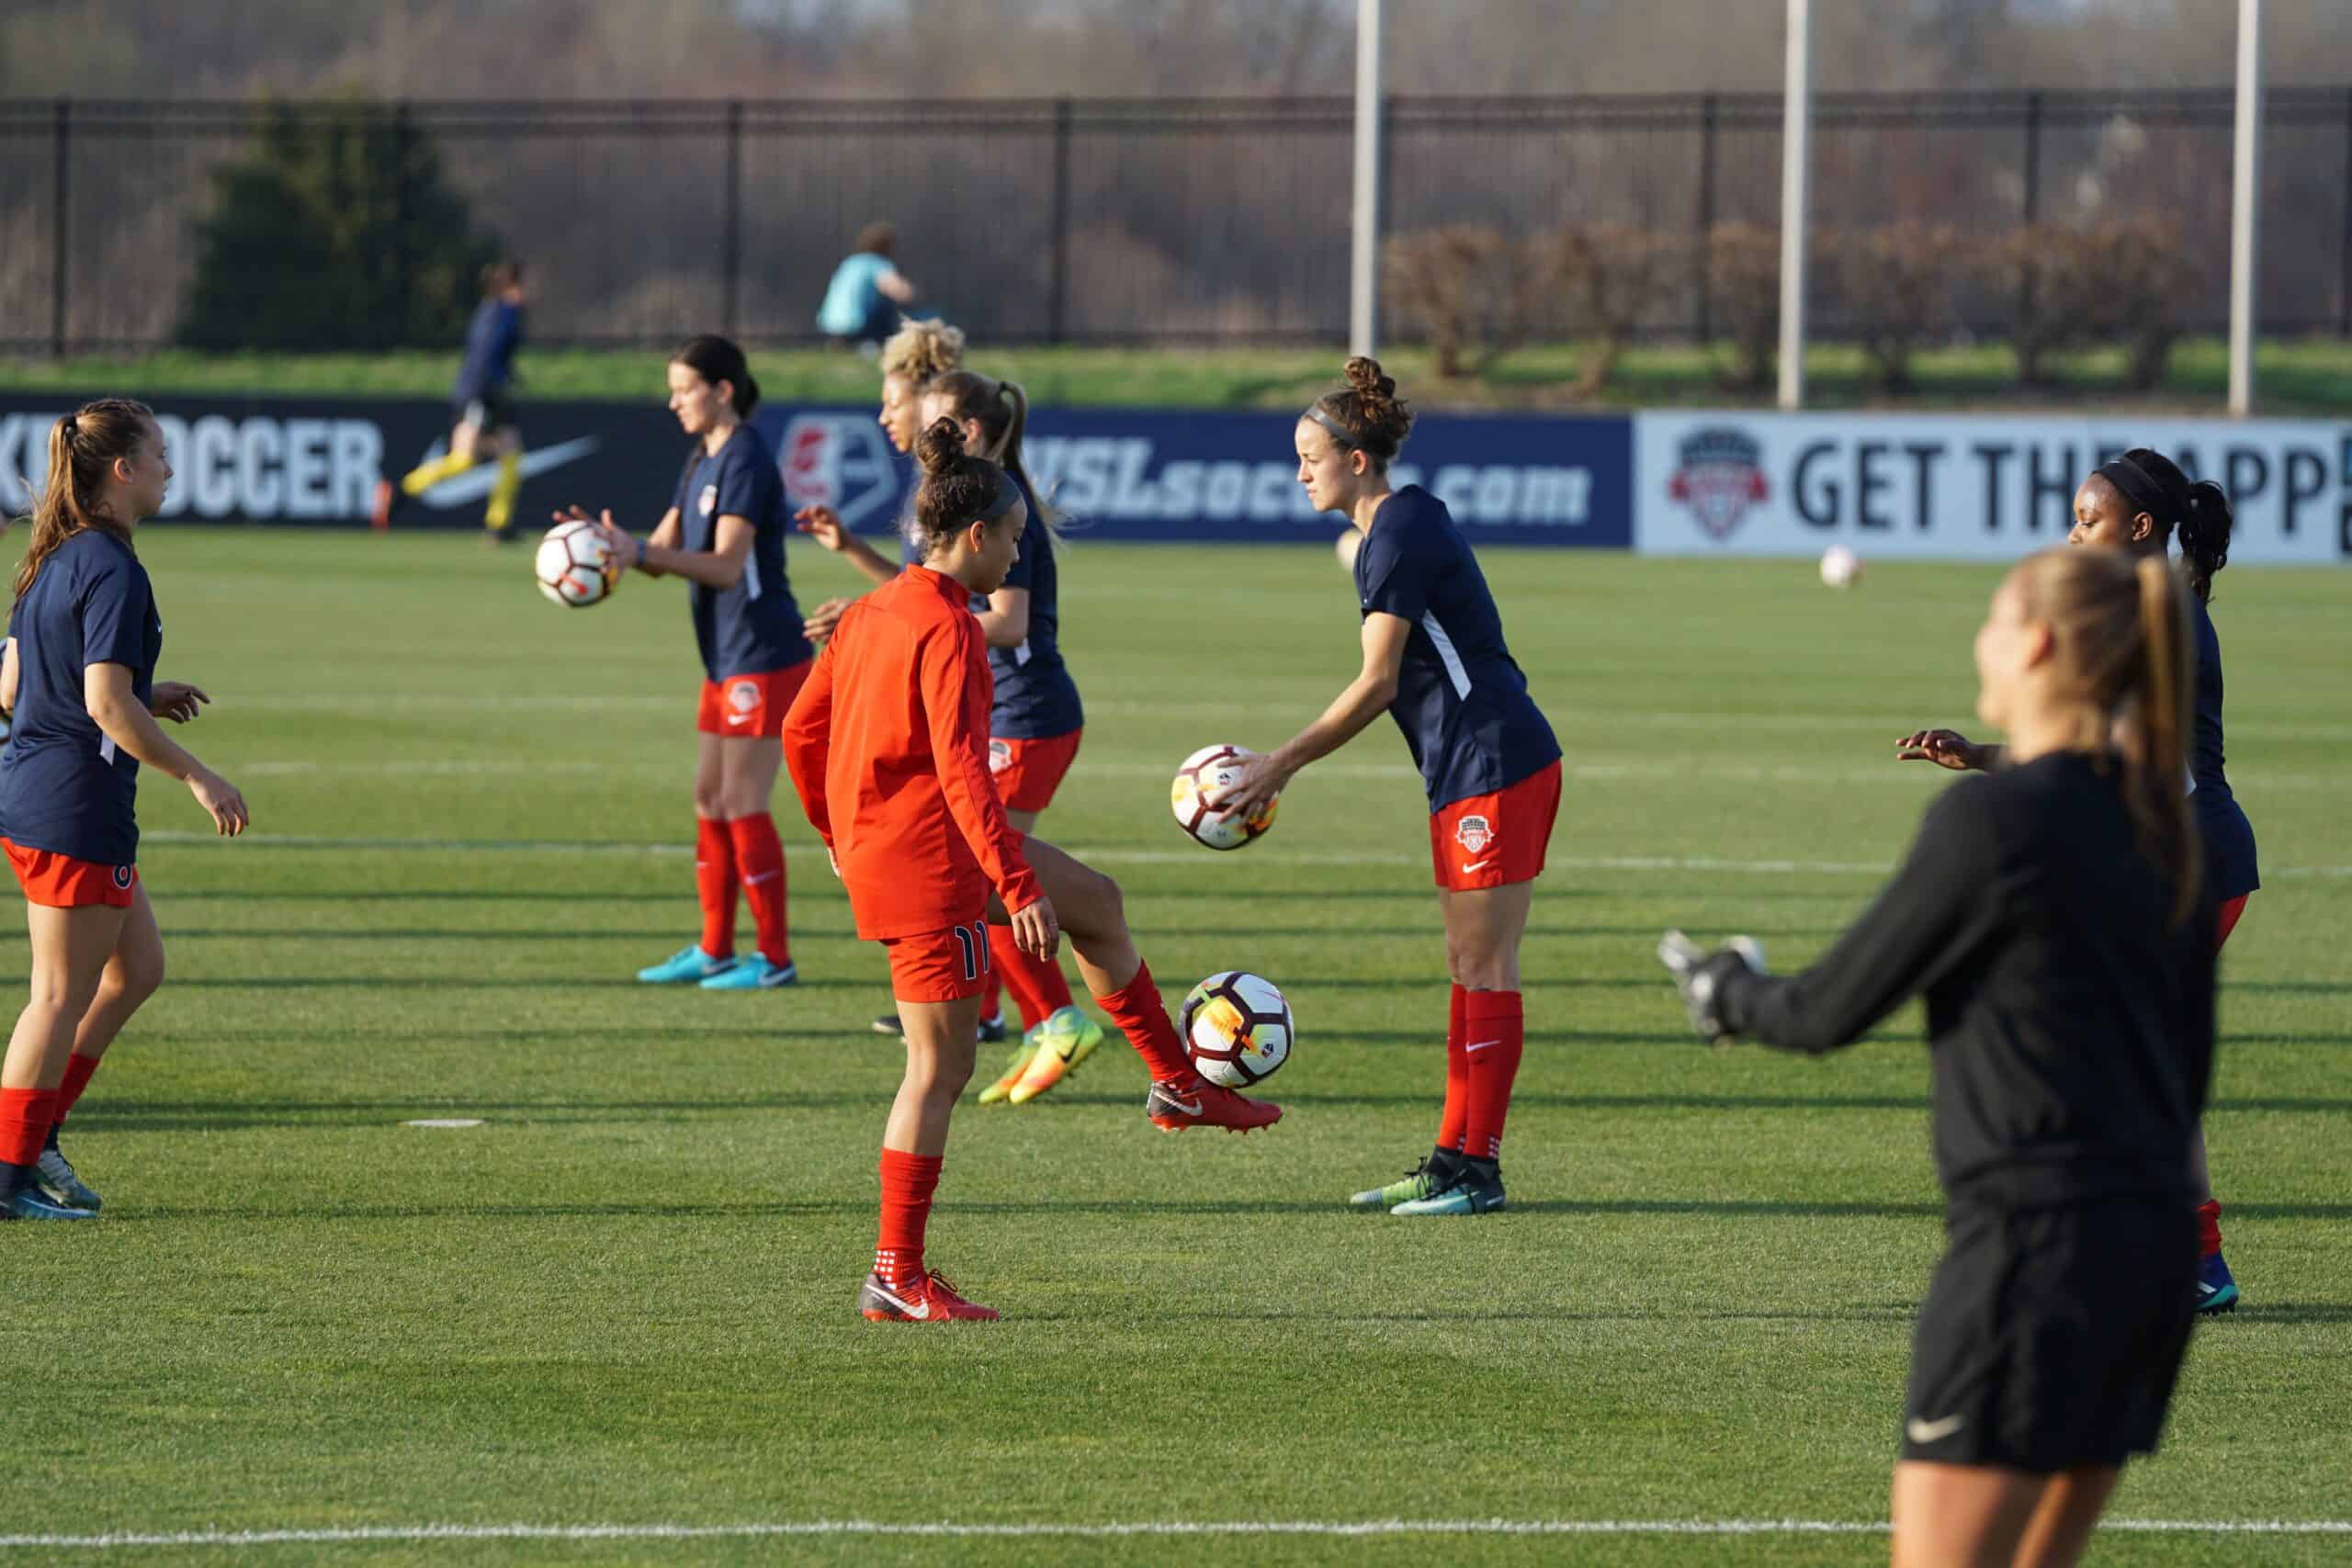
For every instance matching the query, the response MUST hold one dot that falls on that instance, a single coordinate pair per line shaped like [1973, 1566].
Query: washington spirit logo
[1473, 833]
[1721, 476]
[841, 461]
[1000, 755]
[743, 696]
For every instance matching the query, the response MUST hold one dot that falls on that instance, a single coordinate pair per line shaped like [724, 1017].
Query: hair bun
[1364, 375]
[941, 442]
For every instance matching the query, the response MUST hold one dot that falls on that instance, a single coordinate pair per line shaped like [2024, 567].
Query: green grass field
[2302, 375]
[628, 1298]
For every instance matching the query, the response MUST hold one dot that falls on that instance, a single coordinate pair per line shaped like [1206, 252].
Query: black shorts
[2051, 1338]
[490, 413]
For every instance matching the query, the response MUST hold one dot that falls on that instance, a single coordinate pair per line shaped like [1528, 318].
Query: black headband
[1007, 492]
[2139, 488]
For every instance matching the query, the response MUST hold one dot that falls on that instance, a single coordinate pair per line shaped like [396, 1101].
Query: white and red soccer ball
[1237, 1029]
[575, 567]
[1205, 775]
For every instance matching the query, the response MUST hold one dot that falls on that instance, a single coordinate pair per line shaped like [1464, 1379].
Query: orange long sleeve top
[888, 747]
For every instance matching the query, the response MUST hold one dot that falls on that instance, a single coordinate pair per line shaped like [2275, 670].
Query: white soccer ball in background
[1840, 568]
[1237, 1029]
[1206, 775]
[575, 567]
[1346, 545]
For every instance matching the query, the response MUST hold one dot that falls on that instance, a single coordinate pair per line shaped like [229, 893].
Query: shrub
[1467, 287]
[1897, 281]
[1604, 278]
[1744, 278]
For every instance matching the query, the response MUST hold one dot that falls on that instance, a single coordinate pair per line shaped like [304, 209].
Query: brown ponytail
[83, 446]
[2120, 625]
[1002, 408]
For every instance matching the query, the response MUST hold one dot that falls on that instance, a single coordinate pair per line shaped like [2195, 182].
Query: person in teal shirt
[861, 303]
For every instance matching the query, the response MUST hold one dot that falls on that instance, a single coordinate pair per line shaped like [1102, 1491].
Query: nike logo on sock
[1934, 1431]
[1482, 1045]
[763, 876]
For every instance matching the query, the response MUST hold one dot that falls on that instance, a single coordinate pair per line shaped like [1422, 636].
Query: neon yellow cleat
[1062, 1042]
[1014, 1065]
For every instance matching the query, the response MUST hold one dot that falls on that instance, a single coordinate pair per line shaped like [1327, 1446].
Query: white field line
[1169, 1527]
[1091, 856]
[1894, 725]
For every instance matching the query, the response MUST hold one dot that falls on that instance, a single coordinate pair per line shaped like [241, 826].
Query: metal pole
[403, 252]
[2246, 197]
[1796, 152]
[2344, 247]
[1708, 111]
[731, 219]
[60, 145]
[1363, 272]
[1057, 303]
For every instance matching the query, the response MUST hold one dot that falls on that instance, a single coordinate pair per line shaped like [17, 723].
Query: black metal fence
[1146, 220]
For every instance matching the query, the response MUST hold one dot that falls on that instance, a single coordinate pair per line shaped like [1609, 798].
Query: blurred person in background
[865, 302]
[484, 404]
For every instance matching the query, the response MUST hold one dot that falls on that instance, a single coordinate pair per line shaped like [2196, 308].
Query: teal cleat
[55, 1176]
[32, 1203]
[753, 973]
[1422, 1182]
[1473, 1191]
[689, 963]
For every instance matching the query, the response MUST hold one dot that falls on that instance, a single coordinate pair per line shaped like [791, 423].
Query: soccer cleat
[1059, 1045]
[927, 1298]
[993, 1029]
[689, 963]
[56, 1178]
[2217, 1292]
[32, 1203]
[1193, 1102]
[1419, 1182]
[753, 973]
[387, 499]
[1472, 1191]
[888, 1024]
[1014, 1065]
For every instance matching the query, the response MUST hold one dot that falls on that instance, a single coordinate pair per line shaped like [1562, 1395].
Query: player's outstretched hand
[819, 622]
[177, 701]
[823, 525]
[1699, 976]
[221, 801]
[1257, 782]
[1944, 748]
[1035, 931]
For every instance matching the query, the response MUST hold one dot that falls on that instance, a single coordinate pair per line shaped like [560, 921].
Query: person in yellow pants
[485, 424]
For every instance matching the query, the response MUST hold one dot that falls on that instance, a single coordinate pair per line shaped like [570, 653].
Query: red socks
[714, 886]
[1142, 1017]
[1039, 988]
[2208, 1228]
[1493, 1033]
[908, 1181]
[1457, 1077]
[26, 1115]
[759, 861]
[78, 1069]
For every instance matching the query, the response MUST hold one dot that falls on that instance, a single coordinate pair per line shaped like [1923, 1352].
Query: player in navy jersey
[725, 536]
[79, 678]
[2140, 503]
[1435, 660]
[482, 408]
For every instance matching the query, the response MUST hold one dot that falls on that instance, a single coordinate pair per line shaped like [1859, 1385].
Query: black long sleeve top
[2071, 1018]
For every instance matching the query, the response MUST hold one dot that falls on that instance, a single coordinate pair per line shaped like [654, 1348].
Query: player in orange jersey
[888, 746]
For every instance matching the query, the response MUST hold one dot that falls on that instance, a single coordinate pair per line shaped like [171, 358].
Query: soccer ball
[1237, 1029]
[575, 567]
[1840, 568]
[1205, 774]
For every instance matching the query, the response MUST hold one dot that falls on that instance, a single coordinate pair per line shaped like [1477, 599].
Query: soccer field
[626, 1299]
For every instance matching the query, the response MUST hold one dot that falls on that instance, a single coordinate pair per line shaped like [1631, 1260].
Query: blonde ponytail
[2164, 691]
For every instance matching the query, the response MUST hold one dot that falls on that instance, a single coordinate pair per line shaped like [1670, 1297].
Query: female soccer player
[79, 674]
[888, 746]
[1434, 657]
[725, 536]
[2138, 503]
[484, 400]
[2054, 918]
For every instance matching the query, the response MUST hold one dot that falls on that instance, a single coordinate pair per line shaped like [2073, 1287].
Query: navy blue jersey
[1036, 698]
[65, 786]
[2229, 837]
[1461, 700]
[754, 626]
[492, 338]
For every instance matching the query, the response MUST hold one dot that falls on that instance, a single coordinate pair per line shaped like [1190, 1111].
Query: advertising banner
[1965, 487]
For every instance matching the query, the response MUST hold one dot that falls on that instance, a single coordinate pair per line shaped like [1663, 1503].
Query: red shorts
[2229, 923]
[62, 882]
[752, 705]
[1494, 840]
[940, 966]
[1028, 771]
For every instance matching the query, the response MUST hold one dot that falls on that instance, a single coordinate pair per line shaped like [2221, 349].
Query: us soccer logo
[1473, 833]
[1720, 476]
[841, 461]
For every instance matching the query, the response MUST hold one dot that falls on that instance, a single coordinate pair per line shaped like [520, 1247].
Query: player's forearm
[126, 722]
[705, 567]
[1001, 630]
[1365, 699]
[875, 566]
